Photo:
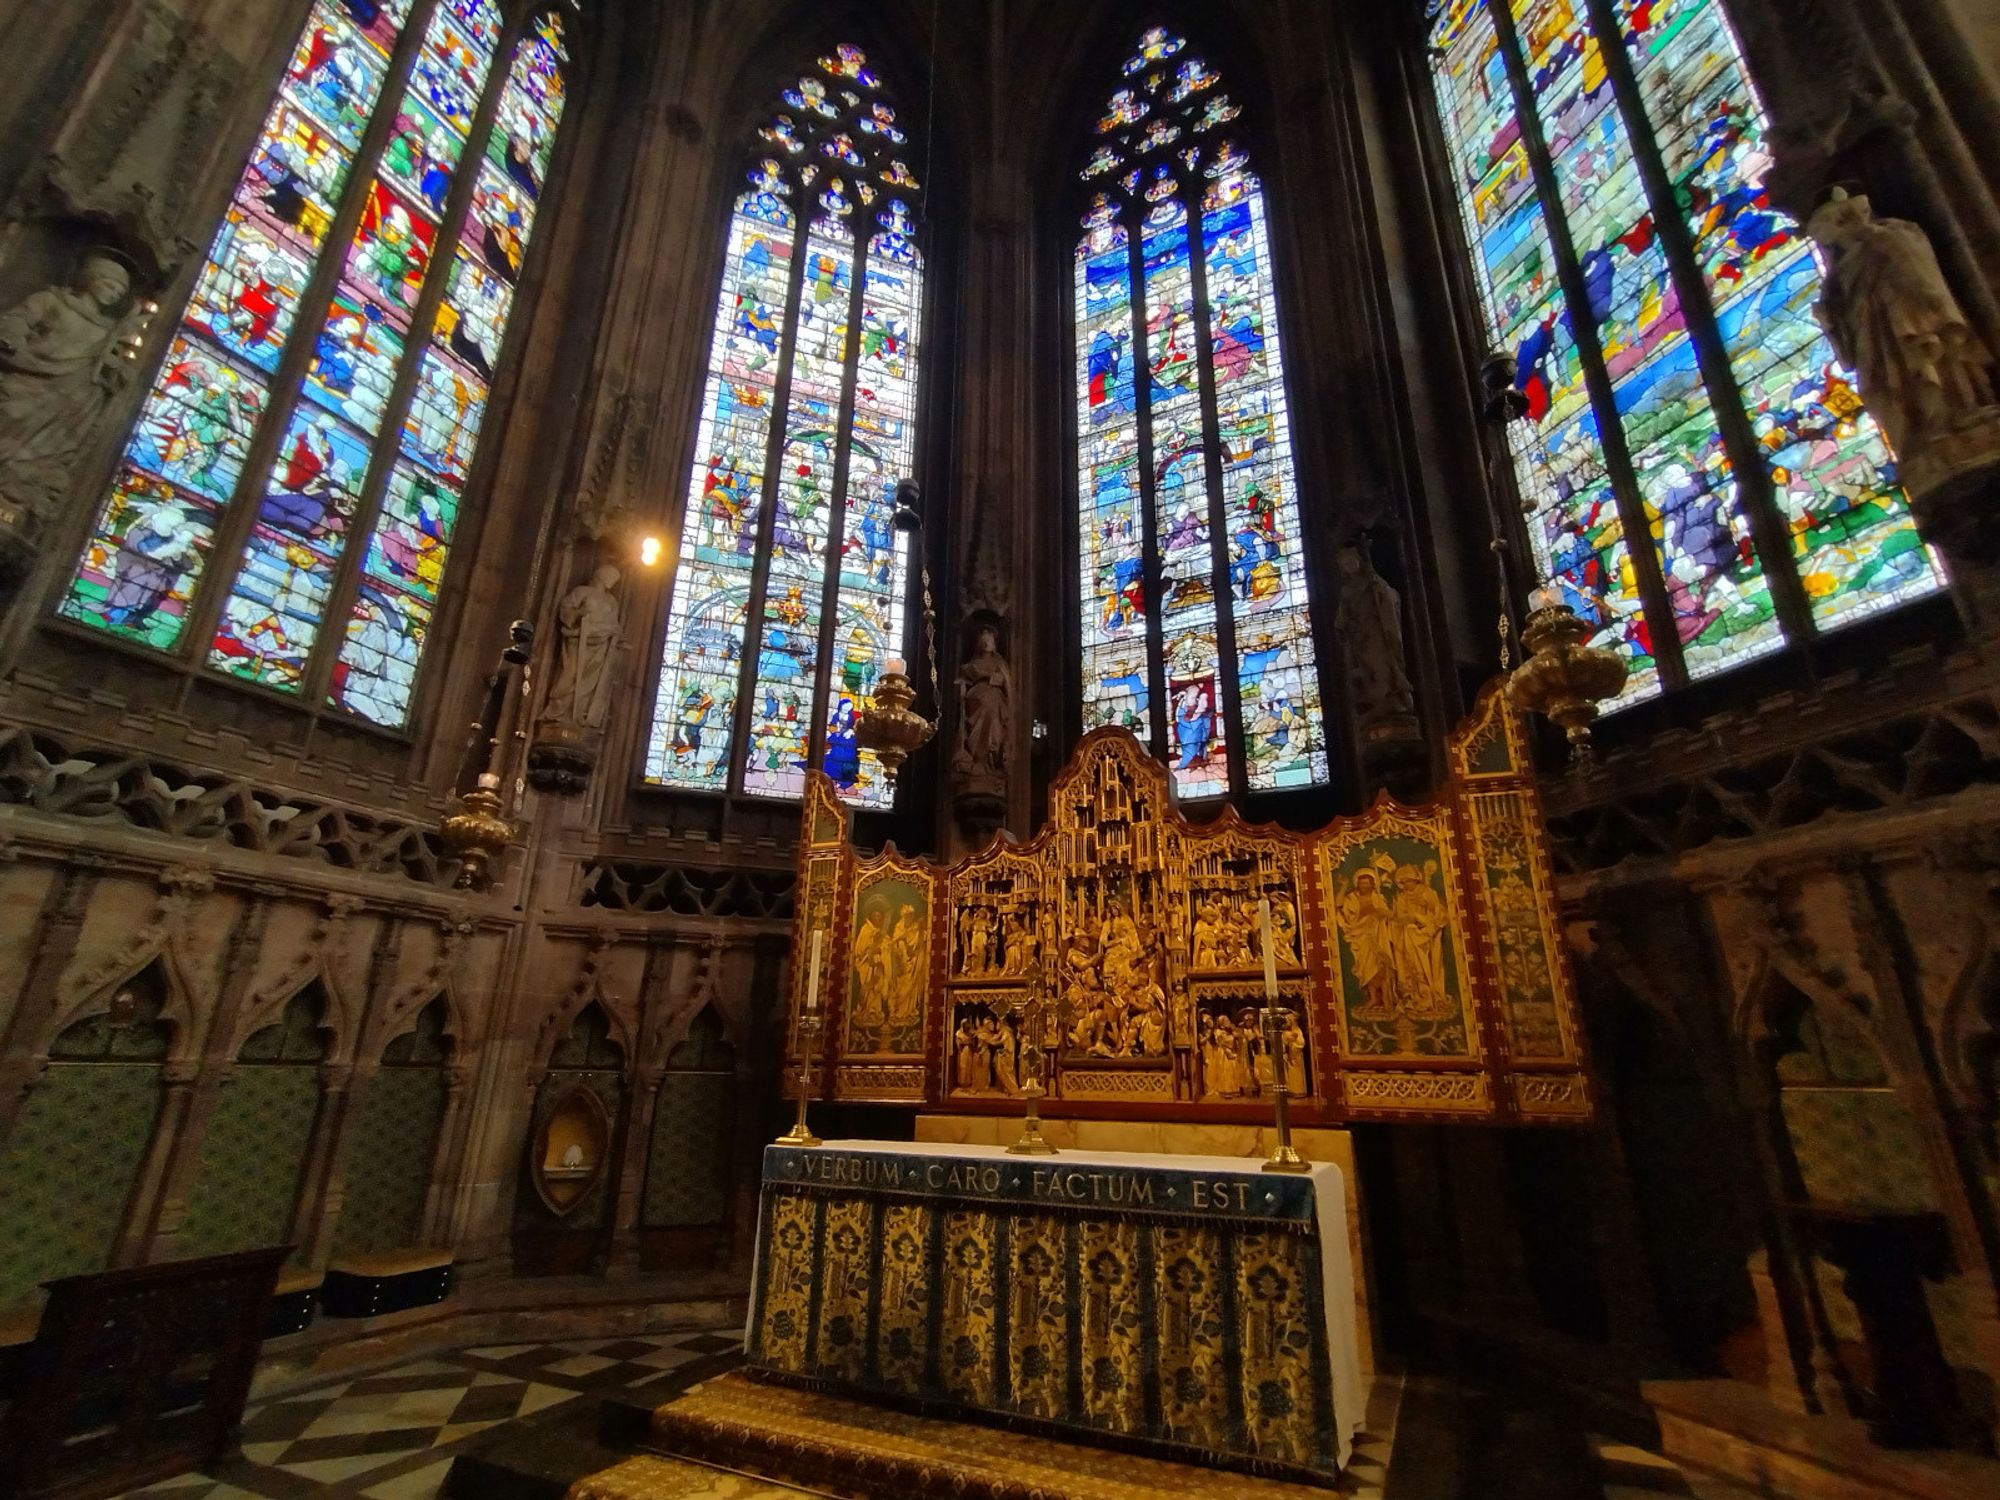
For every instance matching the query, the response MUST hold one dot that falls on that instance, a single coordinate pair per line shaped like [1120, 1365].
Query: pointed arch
[312, 427]
[1196, 621]
[790, 589]
[72, 1156]
[315, 981]
[95, 992]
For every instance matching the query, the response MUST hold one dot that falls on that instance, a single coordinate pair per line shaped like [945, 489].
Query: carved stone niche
[1368, 619]
[572, 1149]
[983, 745]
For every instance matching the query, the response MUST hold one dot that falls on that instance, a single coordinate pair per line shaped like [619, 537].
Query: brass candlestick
[800, 1134]
[1284, 1157]
[1035, 1054]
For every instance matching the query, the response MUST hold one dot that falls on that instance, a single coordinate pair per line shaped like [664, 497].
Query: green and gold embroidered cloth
[1193, 1306]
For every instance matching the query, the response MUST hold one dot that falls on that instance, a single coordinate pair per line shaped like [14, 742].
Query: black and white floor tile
[393, 1435]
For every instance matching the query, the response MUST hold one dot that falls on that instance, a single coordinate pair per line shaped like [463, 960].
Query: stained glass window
[1196, 626]
[788, 599]
[1696, 403]
[319, 409]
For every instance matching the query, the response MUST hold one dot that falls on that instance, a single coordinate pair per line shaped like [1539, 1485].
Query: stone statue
[1922, 370]
[581, 695]
[1370, 622]
[985, 716]
[62, 360]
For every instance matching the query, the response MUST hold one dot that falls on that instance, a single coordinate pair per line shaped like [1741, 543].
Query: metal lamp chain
[930, 637]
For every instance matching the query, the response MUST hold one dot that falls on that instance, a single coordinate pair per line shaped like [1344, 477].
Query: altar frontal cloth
[1190, 1306]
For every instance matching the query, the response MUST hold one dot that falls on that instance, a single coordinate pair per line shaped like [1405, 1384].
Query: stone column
[454, 1133]
[58, 927]
[642, 1096]
[177, 1098]
[182, 1161]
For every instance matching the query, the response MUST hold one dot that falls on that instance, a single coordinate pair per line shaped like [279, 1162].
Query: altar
[1193, 1307]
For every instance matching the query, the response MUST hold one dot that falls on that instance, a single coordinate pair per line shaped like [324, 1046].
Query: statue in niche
[588, 614]
[985, 716]
[63, 357]
[1370, 621]
[1891, 316]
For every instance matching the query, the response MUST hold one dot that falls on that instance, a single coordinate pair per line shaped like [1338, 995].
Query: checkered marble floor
[393, 1435]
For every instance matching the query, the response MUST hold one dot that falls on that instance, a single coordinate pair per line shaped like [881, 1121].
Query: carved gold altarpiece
[1416, 948]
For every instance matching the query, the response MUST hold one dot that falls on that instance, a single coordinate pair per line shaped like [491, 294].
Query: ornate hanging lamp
[889, 725]
[478, 827]
[1564, 678]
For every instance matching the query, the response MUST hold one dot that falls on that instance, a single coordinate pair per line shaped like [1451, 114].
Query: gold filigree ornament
[477, 833]
[1564, 679]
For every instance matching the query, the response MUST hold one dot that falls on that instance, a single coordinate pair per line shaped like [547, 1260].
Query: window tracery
[1196, 621]
[352, 377]
[789, 597]
[1610, 157]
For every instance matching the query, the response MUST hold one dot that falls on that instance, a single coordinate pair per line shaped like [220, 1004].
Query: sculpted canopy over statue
[986, 715]
[60, 365]
[1889, 314]
[588, 614]
[1370, 622]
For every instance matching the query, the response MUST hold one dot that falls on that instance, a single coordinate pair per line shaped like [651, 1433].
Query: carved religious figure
[581, 695]
[1922, 370]
[62, 361]
[1369, 620]
[985, 717]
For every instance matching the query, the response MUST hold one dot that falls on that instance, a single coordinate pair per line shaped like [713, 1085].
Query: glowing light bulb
[649, 552]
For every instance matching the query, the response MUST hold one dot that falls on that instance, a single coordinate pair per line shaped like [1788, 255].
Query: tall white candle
[1270, 953]
[812, 979]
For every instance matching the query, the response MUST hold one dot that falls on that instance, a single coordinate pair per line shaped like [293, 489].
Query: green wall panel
[66, 1170]
[250, 1159]
[389, 1164]
[687, 1161]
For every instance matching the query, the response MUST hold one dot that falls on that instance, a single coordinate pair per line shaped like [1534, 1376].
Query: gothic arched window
[789, 593]
[1196, 629]
[284, 506]
[1611, 158]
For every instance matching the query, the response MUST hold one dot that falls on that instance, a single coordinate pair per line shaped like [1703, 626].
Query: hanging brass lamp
[1564, 677]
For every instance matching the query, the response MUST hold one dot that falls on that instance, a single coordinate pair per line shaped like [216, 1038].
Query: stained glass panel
[694, 711]
[1113, 591]
[787, 673]
[816, 534]
[1207, 294]
[186, 453]
[1856, 549]
[1277, 671]
[184, 463]
[1851, 539]
[874, 556]
[1716, 589]
[397, 592]
[272, 618]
